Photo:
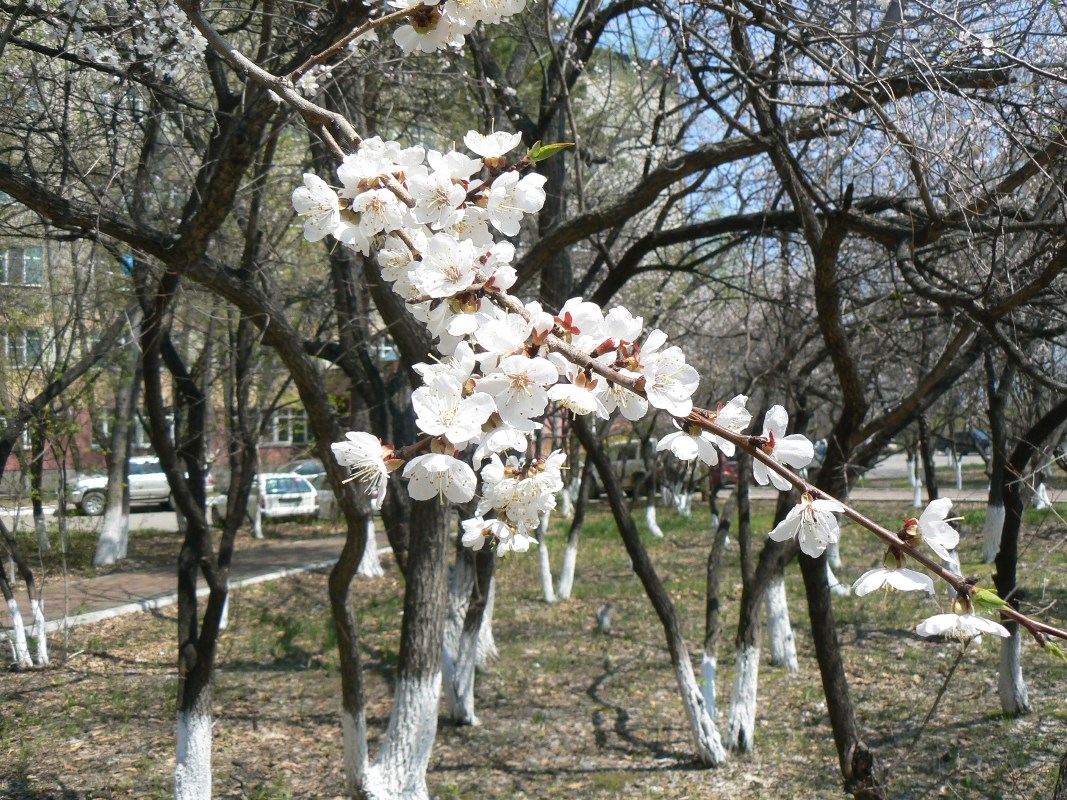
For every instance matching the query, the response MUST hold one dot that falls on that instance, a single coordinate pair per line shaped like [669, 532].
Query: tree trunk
[547, 590]
[487, 652]
[370, 566]
[461, 648]
[779, 629]
[927, 454]
[192, 772]
[570, 554]
[705, 736]
[37, 447]
[713, 611]
[400, 771]
[115, 525]
[20, 651]
[833, 555]
[1011, 686]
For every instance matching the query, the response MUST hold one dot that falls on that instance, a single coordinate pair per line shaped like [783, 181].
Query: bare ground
[566, 711]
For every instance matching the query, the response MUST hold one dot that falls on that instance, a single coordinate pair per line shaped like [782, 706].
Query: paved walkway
[105, 596]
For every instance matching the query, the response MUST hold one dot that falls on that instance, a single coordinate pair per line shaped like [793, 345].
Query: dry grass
[566, 711]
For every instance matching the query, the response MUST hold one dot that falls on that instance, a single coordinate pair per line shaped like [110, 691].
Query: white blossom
[934, 530]
[440, 475]
[442, 410]
[813, 522]
[316, 201]
[960, 626]
[902, 579]
[493, 145]
[689, 443]
[510, 197]
[669, 381]
[794, 450]
[365, 455]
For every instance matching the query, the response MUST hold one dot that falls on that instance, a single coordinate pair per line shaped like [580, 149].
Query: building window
[24, 438]
[289, 427]
[22, 266]
[24, 348]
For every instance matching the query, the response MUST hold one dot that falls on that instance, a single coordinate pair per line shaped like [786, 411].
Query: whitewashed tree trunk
[400, 771]
[566, 573]
[224, 617]
[994, 524]
[354, 746]
[741, 722]
[833, 555]
[683, 501]
[1011, 686]
[917, 495]
[650, 520]
[546, 565]
[1041, 498]
[19, 649]
[41, 527]
[565, 500]
[705, 735]
[370, 565]
[959, 473]
[779, 629]
[460, 583]
[114, 536]
[192, 772]
[953, 567]
[39, 634]
[459, 669]
[257, 518]
[709, 672]
[836, 587]
[487, 652]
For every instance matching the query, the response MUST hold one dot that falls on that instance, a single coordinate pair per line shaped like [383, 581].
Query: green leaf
[1055, 650]
[540, 152]
[987, 600]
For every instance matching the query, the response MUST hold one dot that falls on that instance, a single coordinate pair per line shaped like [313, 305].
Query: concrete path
[105, 596]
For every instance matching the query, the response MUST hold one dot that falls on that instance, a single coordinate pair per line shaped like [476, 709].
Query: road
[141, 519]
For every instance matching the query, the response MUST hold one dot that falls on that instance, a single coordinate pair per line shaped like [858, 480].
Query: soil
[566, 711]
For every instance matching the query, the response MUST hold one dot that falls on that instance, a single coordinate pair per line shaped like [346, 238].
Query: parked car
[310, 468]
[724, 473]
[629, 468]
[964, 443]
[148, 487]
[283, 495]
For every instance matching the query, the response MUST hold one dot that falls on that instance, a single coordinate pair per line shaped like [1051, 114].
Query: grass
[567, 711]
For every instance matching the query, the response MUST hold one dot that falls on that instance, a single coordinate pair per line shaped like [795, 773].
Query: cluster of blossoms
[814, 524]
[163, 40]
[434, 27]
[428, 217]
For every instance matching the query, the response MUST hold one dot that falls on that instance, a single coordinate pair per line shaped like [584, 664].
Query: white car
[148, 487]
[283, 494]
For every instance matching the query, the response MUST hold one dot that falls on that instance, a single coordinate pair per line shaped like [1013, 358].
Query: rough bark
[400, 770]
[713, 609]
[461, 649]
[115, 525]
